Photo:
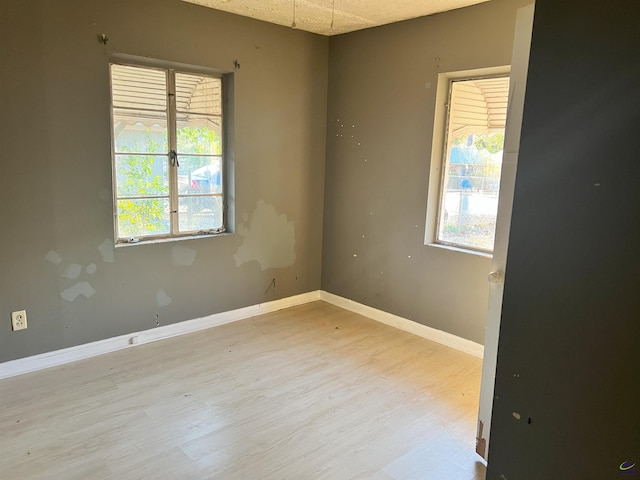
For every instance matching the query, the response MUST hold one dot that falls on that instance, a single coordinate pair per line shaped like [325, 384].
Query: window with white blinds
[168, 163]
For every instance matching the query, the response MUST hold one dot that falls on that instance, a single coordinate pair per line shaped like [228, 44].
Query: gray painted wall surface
[380, 122]
[569, 349]
[55, 185]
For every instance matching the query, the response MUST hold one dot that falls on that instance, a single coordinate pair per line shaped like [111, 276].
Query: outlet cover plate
[19, 320]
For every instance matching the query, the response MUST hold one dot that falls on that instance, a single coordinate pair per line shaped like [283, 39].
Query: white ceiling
[316, 16]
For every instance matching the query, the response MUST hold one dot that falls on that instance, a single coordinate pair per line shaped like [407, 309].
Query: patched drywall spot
[106, 250]
[162, 299]
[73, 271]
[269, 239]
[53, 257]
[91, 268]
[80, 288]
[183, 256]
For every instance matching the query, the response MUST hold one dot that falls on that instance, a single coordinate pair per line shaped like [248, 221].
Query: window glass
[167, 153]
[473, 162]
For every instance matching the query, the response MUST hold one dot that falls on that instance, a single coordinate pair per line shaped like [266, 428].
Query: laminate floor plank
[309, 392]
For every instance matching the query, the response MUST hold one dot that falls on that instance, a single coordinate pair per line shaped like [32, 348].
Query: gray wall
[569, 348]
[380, 122]
[55, 180]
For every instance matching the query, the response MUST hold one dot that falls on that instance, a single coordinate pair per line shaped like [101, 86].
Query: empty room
[319, 239]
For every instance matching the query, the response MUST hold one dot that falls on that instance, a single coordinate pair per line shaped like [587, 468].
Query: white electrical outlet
[19, 320]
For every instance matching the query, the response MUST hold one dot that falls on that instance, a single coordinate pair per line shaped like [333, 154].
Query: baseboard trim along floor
[80, 352]
[438, 336]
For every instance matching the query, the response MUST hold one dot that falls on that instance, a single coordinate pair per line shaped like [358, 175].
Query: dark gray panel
[569, 348]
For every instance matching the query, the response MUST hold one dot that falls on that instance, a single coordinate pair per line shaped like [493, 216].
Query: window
[168, 153]
[467, 159]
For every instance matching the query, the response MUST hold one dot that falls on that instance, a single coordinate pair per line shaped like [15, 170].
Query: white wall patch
[91, 268]
[183, 256]
[73, 271]
[269, 239]
[80, 288]
[53, 257]
[162, 299]
[106, 250]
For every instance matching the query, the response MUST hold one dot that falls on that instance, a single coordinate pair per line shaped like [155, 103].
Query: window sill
[154, 241]
[460, 250]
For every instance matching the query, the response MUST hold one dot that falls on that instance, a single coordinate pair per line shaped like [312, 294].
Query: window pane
[138, 88]
[140, 132]
[199, 175]
[199, 134]
[198, 94]
[200, 213]
[142, 176]
[142, 217]
[475, 139]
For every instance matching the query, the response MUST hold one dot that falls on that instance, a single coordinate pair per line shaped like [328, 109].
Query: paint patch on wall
[73, 271]
[80, 288]
[53, 257]
[269, 239]
[91, 268]
[183, 256]
[162, 299]
[104, 194]
[106, 250]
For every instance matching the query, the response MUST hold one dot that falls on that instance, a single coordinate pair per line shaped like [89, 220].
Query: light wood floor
[311, 392]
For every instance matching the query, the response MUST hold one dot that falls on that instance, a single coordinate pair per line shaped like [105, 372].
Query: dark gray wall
[569, 350]
[380, 122]
[55, 180]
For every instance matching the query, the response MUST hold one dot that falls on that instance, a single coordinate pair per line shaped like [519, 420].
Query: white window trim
[438, 153]
[228, 184]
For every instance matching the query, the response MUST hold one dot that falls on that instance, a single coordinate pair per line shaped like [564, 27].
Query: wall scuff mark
[106, 250]
[81, 288]
[183, 256]
[272, 285]
[269, 239]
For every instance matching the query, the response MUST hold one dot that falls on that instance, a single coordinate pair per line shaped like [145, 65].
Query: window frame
[437, 168]
[226, 138]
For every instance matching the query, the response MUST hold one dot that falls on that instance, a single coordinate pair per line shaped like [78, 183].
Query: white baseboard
[444, 338]
[80, 352]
